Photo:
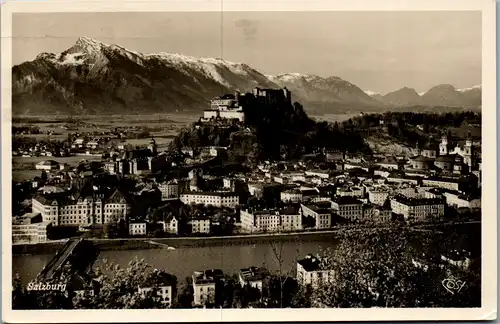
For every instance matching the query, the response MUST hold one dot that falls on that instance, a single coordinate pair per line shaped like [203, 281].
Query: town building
[314, 271]
[292, 195]
[351, 191]
[454, 183]
[253, 276]
[170, 225]
[457, 200]
[377, 214]
[421, 162]
[274, 220]
[390, 163]
[217, 199]
[66, 209]
[204, 286]
[169, 189]
[321, 212]
[418, 209]
[137, 229]
[200, 224]
[163, 283]
[47, 165]
[79, 143]
[348, 207]
[377, 195]
[29, 228]
[323, 174]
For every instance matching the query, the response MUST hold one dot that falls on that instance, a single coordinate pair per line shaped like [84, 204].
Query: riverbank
[174, 242]
[180, 242]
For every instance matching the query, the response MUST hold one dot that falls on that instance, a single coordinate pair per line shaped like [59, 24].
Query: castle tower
[152, 146]
[287, 94]
[443, 147]
[237, 96]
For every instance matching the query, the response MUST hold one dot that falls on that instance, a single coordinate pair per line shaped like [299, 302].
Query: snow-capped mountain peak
[471, 88]
[89, 44]
[371, 93]
[292, 77]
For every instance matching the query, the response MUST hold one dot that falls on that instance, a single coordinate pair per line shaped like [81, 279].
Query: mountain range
[441, 95]
[91, 77]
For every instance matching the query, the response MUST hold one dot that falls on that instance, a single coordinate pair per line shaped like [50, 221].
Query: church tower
[443, 147]
[152, 146]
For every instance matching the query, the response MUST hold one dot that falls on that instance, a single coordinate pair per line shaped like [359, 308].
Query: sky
[377, 51]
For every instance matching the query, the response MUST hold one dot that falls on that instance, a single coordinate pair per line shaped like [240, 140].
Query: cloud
[248, 27]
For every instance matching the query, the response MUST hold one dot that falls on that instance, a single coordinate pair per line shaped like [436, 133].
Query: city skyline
[415, 54]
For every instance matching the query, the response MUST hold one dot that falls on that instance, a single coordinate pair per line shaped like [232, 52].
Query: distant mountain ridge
[91, 77]
[313, 88]
[440, 95]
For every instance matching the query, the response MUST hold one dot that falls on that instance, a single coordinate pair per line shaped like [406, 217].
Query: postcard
[248, 160]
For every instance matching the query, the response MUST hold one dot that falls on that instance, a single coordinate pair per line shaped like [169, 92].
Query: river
[230, 257]
[183, 261]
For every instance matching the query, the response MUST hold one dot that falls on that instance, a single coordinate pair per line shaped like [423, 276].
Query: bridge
[77, 255]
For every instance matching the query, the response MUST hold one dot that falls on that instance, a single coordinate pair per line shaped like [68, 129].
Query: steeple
[152, 146]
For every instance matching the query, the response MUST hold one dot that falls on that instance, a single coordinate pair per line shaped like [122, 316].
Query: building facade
[418, 209]
[204, 286]
[218, 199]
[348, 207]
[314, 271]
[137, 229]
[29, 228]
[63, 210]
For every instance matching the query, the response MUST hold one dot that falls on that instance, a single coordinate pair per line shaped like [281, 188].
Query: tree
[379, 270]
[283, 272]
[118, 289]
[185, 296]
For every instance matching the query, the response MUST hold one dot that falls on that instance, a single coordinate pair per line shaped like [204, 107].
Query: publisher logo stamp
[453, 285]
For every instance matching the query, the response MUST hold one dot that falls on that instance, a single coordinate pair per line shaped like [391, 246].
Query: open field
[163, 127]
[331, 118]
[23, 175]
[71, 160]
[23, 168]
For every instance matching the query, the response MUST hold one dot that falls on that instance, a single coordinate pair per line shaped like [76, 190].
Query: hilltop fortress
[230, 106]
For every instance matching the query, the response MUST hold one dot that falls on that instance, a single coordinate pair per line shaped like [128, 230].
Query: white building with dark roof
[164, 284]
[47, 165]
[29, 228]
[204, 286]
[314, 271]
[64, 209]
[253, 276]
[217, 199]
[418, 209]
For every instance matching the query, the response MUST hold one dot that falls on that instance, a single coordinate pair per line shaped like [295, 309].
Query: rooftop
[312, 263]
[160, 278]
[48, 162]
[347, 200]
[253, 273]
[207, 277]
[211, 193]
[26, 219]
[418, 201]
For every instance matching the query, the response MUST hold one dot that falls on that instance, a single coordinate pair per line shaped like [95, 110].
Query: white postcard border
[489, 148]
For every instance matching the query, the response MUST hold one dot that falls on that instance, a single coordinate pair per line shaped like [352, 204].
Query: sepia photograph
[229, 159]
